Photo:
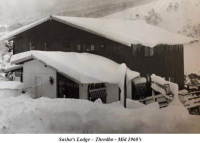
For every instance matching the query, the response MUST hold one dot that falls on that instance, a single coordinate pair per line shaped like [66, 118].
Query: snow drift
[25, 115]
[10, 89]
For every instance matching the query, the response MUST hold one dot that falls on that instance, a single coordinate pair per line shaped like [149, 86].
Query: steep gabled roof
[80, 67]
[127, 32]
[13, 33]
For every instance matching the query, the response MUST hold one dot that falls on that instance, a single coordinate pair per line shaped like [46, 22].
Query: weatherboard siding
[166, 62]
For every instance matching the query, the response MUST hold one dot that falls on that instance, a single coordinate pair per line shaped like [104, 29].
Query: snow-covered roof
[13, 33]
[80, 67]
[10, 67]
[123, 31]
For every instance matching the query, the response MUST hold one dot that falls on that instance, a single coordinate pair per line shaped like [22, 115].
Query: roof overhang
[81, 68]
[12, 68]
[115, 30]
[18, 64]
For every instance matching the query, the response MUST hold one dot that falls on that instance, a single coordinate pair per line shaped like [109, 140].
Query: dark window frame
[80, 47]
[149, 52]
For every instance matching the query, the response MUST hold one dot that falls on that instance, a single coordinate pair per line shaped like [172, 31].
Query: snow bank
[174, 89]
[82, 67]
[11, 85]
[131, 104]
[5, 93]
[10, 89]
[25, 115]
[157, 82]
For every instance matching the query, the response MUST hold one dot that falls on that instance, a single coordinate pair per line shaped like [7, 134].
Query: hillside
[179, 16]
[21, 11]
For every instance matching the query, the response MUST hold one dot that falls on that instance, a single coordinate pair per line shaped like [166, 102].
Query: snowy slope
[25, 115]
[177, 15]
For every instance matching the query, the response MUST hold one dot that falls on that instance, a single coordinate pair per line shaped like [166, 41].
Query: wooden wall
[166, 62]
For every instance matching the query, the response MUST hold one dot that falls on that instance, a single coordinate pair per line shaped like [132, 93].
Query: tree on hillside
[153, 18]
[191, 30]
[192, 78]
[137, 16]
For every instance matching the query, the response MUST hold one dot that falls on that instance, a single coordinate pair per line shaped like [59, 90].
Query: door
[38, 88]
[67, 88]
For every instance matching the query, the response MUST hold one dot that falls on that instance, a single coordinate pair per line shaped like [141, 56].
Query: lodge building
[142, 47]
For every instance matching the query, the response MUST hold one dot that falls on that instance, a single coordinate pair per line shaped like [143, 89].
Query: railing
[192, 88]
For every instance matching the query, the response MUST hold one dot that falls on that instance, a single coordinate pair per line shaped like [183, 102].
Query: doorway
[67, 88]
[38, 88]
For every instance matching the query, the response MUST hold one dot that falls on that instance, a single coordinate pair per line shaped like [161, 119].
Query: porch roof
[82, 68]
[13, 67]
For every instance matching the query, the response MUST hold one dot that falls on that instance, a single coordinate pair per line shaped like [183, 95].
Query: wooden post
[125, 91]
[153, 94]
[21, 79]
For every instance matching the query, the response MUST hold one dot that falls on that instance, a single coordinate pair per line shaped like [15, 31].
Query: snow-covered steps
[162, 101]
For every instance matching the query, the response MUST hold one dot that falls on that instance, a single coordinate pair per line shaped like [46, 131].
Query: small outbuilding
[71, 75]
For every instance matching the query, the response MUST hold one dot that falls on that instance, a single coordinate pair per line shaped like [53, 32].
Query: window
[92, 47]
[31, 46]
[148, 52]
[45, 46]
[78, 47]
[84, 47]
[96, 91]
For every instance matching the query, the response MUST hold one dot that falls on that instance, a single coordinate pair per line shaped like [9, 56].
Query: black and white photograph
[99, 66]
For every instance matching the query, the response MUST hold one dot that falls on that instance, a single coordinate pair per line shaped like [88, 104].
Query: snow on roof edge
[70, 70]
[127, 41]
[90, 31]
[13, 33]
[10, 67]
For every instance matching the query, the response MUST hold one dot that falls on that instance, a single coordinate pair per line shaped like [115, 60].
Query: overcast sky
[13, 10]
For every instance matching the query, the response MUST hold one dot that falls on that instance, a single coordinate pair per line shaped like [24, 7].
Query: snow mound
[25, 115]
[98, 101]
[11, 85]
[133, 104]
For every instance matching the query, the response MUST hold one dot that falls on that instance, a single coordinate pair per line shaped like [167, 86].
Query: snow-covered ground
[23, 114]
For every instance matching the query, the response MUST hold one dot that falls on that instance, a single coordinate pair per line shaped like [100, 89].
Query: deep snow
[25, 115]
